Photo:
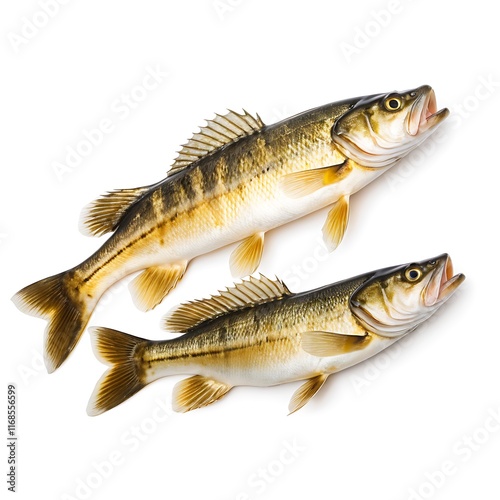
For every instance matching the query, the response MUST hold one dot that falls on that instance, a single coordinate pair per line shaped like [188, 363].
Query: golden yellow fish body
[221, 200]
[233, 181]
[259, 333]
[261, 345]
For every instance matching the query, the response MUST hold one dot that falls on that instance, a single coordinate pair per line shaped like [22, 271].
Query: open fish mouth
[424, 114]
[442, 283]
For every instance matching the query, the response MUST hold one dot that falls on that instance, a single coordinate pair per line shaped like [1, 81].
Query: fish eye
[393, 103]
[413, 274]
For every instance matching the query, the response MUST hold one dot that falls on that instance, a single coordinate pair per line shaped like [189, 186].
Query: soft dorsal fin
[248, 292]
[104, 214]
[218, 132]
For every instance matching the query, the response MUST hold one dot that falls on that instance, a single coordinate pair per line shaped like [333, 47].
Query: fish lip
[424, 114]
[442, 283]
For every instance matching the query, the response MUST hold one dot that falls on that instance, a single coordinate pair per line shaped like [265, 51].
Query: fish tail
[126, 375]
[67, 316]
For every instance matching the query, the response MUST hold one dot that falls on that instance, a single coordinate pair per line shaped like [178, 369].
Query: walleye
[233, 181]
[259, 333]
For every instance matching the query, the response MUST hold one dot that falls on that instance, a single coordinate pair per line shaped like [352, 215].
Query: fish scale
[259, 333]
[253, 338]
[232, 182]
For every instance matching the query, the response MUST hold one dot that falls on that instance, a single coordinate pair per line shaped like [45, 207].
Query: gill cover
[395, 300]
[380, 129]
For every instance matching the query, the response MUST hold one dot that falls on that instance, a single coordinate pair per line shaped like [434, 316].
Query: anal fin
[325, 344]
[247, 255]
[153, 284]
[305, 392]
[196, 392]
[336, 223]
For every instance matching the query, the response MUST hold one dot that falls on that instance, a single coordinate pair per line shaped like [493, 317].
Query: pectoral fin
[196, 392]
[152, 285]
[246, 256]
[305, 392]
[305, 182]
[336, 223]
[324, 344]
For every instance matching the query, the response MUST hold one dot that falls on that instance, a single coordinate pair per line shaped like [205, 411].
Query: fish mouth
[424, 114]
[442, 283]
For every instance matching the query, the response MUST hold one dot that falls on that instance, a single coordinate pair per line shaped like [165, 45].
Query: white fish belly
[200, 235]
[263, 373]
[267, 212]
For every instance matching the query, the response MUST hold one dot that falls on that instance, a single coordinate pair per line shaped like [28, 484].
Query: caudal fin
[125, 377]
[67, 317]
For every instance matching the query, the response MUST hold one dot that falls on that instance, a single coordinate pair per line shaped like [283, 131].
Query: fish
[232, 182]
[258, 333]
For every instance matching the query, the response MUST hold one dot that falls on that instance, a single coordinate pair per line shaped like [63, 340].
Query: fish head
[378, 130]
[394, 301]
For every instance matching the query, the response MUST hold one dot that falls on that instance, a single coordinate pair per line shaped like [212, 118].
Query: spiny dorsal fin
[218, 132]
[104, 214]
[248, 292]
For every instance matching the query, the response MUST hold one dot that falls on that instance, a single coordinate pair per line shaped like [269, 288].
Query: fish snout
[424, 113]
[443, 283]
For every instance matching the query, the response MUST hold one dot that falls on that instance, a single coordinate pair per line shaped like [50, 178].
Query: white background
[380, 430]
